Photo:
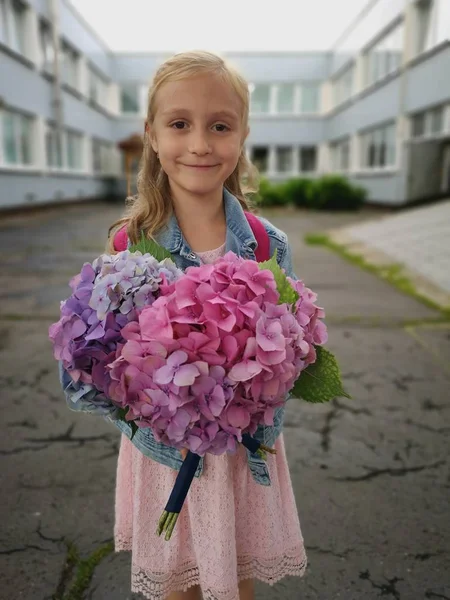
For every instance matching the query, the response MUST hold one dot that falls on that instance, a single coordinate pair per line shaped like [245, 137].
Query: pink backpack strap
[262, 237]
[121, 239]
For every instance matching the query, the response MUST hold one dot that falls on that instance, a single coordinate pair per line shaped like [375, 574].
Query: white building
[375, 107]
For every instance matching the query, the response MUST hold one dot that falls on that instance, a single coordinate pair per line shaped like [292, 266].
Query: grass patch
[393, 274]
[83, 569]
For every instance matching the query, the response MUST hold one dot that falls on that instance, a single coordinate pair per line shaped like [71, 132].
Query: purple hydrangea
[106, 295]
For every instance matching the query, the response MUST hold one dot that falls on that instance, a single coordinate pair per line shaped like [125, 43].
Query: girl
[240, 519]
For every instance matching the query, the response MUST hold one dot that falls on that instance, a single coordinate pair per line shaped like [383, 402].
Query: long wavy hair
[152, 207]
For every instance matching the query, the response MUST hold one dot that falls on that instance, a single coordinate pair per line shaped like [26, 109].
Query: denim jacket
[241, 241]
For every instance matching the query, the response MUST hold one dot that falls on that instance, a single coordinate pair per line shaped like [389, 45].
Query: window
[12, 13]
[385, 56]
[260, 98]
[308, 159]
[424, 38]
[378, 147]
[98, 88]
[284, 159]
[286, 98]
[340, 155]
[3, 16]
[436, 119]
[129, 98]
[343, 86]
[418, 124]
[101, 156]
[48, 52]
[260, 158]
[428, 122]
[310, 98]
[74, 151]
[69, 60]
[54, 148]
[17, 138]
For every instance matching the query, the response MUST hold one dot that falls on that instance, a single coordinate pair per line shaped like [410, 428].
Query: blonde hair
[151, 208]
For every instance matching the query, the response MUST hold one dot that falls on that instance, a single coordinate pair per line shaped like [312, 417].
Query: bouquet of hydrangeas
[201, 358]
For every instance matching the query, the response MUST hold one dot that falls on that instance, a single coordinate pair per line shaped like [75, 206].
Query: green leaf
[321, 381]
[147, 246]
[287, 293]
[122, 413]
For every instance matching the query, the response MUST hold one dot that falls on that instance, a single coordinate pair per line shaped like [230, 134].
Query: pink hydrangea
[213, 357]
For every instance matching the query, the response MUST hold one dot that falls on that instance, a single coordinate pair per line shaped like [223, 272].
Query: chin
[200, 187]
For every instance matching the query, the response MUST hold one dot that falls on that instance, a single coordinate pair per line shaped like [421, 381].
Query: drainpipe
[402, 155]
[57, 94]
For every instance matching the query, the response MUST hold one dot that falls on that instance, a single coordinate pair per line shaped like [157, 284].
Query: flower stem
[162, 522]
[261, 454]
[171, 526]
[267, 449]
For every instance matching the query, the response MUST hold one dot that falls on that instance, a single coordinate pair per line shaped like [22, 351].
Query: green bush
[270, 194]
[330, 192]
[298, 191]
[334, 192]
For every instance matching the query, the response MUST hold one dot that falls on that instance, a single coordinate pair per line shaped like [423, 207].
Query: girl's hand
[184, 452]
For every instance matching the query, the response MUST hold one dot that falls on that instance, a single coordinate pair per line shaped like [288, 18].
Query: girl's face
[198, 133]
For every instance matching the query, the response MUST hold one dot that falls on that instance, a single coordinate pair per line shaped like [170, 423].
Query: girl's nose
[199, 144]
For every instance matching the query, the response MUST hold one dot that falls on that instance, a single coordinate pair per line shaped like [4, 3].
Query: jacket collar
[240, 238]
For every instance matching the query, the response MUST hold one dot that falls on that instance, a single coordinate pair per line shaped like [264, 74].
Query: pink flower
[176, 371]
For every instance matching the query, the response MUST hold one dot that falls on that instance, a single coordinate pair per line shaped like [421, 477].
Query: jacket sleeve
[285, 260]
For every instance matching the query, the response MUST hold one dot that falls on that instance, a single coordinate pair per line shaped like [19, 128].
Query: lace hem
[157, 586]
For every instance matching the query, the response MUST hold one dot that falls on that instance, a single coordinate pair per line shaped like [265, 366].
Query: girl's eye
[221, 127]
[178, 125]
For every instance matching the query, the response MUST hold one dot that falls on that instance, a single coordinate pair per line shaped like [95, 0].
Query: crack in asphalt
[333, 414]
[443, 430]
[326, 430]
[22, 449]
[393, 472]
[24, 549]
[428, 404]
[47, 538]
[67, 437]
[387, 589]
[25, 423]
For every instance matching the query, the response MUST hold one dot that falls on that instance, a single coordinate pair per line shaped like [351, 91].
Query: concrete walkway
[418, 239]
[371, 475]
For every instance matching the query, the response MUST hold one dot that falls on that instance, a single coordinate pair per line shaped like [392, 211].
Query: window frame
[269, 87]
[67, 51]
[138, 89]
[373, 61]
[18, 120]
[302, 149]
[378, 137]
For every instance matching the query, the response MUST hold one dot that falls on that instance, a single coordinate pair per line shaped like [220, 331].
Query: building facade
[375, 107]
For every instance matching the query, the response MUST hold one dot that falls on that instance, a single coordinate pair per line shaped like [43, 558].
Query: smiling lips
[201, 166]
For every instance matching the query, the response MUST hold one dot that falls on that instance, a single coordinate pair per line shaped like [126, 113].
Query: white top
[209, 256]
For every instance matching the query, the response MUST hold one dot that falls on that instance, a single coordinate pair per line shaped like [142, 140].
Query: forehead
[199, 94]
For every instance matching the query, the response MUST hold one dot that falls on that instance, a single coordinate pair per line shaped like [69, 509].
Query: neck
[200, 218]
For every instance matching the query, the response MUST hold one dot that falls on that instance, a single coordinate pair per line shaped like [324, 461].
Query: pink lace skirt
[230, 527]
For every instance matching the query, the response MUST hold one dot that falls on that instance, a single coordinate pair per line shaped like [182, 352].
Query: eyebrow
[227, 114]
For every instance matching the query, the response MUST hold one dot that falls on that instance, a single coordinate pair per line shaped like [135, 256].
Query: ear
[149, 131]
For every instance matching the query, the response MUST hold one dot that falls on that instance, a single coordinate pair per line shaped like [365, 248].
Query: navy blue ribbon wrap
[187, 473]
